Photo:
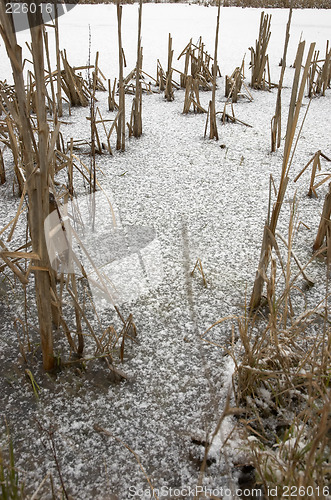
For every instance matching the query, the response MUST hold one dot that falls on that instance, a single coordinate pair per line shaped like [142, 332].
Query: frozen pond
[203, 200]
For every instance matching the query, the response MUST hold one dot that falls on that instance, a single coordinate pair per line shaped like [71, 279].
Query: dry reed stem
[276, 126]
[324, 226]
[137, 105]
[198, 265]
[295, 105]
[168, 92]
[120, 143]
[213, 134]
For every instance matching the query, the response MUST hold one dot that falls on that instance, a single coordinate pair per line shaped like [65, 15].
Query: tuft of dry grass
[282, 381]
[11, 487]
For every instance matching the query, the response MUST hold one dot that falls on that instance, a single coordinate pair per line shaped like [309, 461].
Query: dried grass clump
[299, 460]
[282, 380]
[259, 57]
[11, 486]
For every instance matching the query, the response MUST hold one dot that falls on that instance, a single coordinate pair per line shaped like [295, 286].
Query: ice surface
[201, 201]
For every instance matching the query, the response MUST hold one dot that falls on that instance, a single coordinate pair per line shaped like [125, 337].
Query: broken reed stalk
[93, 127]
[168, 93]
[111, 97]
[317, 165]
[289, 245]
[323, 74]
[233, 84]
[186, 65]
[37, 178]
[55, 96]
[58, 66]
[198, 265]
[53, 107]
[325, 78]
[108, 147]
[313, 70]
[79, 330]
[213, 134]
[160, 76]
[15, 146]
[73, 85]
[315, 160]
[276, 122]
[2, 169]
[70, 169]
[324, 229]
[192, 96]
[137, 103]
[293, 115]
[188, 94]
[120, 143]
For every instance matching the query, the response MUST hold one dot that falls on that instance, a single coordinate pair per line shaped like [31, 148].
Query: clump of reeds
[320, 73]
[39, 155]
[283, 381]
[259, 56]
[282, 378]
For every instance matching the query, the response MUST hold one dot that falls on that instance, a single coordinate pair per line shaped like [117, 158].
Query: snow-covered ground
[204, 199]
